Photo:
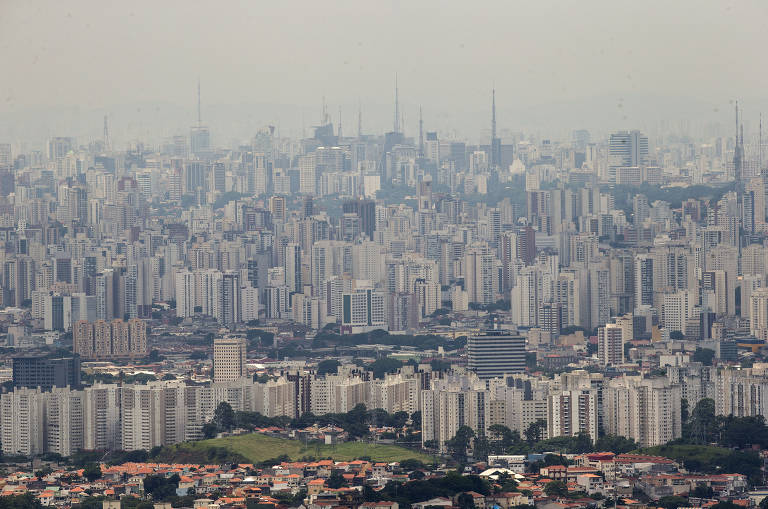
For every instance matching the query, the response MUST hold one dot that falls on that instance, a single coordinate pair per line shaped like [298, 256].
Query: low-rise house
[435, 502]
[591, 483]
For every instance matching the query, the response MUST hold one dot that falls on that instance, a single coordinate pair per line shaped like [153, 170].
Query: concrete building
[495, 353]
[645, 410]
[229, 359]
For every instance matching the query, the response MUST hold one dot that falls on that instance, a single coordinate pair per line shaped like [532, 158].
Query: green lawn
[256, 448]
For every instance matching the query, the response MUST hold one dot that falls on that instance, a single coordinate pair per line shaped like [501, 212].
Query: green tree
[92, 472]
[416, 419]
[725, 504]
[381, 367]
[25, 501]
[556, 489]
[160, 487]
[672, 502]
[399, 419]
[465, 501]
[210, 430]
[482, 448]
[459, 444]
[702, 492]
[501, 438]
[613, 443]
[412, 464]
[224, 417]
[741, 432]
[535, 431]
[90, 503]
[355, 420]
[327, 366]
[556, 459]
[335, 481]
[702, 427]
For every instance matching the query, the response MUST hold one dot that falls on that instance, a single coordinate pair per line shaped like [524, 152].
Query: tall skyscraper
[610, 344]
[495, 148]
[292, 266]
[495, 353]
[230, 307]
[366, 211]
[738, 152]
[628, 148]
[644, 285]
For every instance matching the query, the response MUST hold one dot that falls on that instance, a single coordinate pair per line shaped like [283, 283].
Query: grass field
[255, 448]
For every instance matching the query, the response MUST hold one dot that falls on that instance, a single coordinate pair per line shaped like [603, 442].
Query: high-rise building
[628, 148]
[292, 264]
[21, 413]
[59, 147]
[572, 412]
[495, 353]
[199, 140]
[610, 345]
[365, 210]
[451, 403]
[307, 175]
[63, 421]
[758, 313]
[103, 340]
[46, 372]
[363, 310]
[479, 280]
[6, 157]
[402, 312]
[101, 417]
[645, 410]
[229, 359]
[644, 284]
[231, 306]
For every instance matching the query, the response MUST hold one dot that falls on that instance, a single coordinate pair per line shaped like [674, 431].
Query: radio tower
[397, 108]
[738, 152]
[107, 141]
[199, 111]
[760, 146]
[493, 129]
[359, 120]
[421, 134]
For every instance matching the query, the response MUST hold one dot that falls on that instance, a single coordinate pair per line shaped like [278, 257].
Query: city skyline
[591, 73]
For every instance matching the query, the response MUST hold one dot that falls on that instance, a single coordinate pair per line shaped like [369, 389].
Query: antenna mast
[421, 134]
[107, 141]
[397, 108]
[199, 114]
[493, 128]
[359, 120]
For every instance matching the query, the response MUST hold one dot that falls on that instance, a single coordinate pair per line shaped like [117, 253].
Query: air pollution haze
[555, 65]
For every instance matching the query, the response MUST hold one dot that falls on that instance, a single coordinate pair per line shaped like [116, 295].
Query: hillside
[256, 448]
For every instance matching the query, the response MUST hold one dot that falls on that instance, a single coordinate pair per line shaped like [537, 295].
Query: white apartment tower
[228, 359]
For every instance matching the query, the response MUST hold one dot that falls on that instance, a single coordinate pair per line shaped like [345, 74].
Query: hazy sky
[103, 56]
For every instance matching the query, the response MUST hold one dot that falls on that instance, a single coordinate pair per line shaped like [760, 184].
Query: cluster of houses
[589, 480]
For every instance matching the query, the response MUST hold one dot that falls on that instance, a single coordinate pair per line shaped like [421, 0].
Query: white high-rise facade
[228, 359]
